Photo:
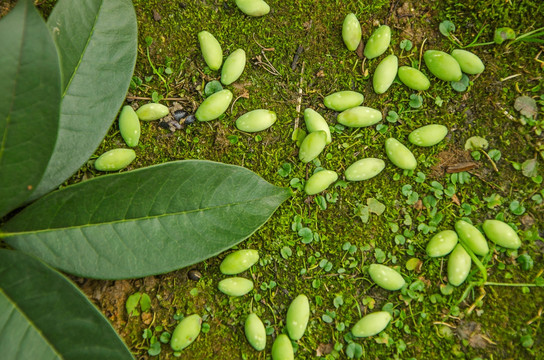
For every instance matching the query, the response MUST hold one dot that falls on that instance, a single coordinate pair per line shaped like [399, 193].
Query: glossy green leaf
[97, 43]
[147, 221]
[29, 105]
[44, 316]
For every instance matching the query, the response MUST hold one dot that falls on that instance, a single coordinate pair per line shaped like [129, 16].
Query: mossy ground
[426, 324]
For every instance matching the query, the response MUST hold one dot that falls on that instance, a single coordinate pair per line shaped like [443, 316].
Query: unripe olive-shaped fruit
[501, 234]
[472, 237]
[378, 42]
[239, 261]
[129, 126]
[312, 145]
[255, 332]
[442, 65]
[351, 32]
[297, 318]
[364, 169]
[371, 324]
[315, 122]
[152, 111]
[442, 243]
[459, 264]
[282, 349]
[256, 120]
[413, 78]
[114, 160]
[211, 50]
[400, 155]
[386, 277]
[428, 135]
[469, 62]
[233, 67]
[343, 100]
[385, 74]
[320, 181]
[359, 116]
[214, 106]
[253, 7]
[186, 332]
[235, 286]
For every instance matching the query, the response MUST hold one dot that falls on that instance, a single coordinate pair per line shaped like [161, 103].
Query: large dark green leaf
[147, 221]
[97, 43]
[44, 316]
[29, 103]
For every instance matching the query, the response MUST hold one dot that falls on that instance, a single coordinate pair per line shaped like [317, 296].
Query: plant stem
[477, 261]
[490, 283]
[155, 69]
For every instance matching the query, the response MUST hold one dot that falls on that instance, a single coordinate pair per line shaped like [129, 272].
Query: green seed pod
[472, 237]
[351, 32]
[428, 135]
[459, 264]
[400, 155]
[385, 74]
[239, 261]
[320, 181]
[282, 349]
[256, 120]
[386, 277]
[298, 315]
[211, 50]
[255, 332]
[343, 100]
[312, 145]
[315, 122]
[371, 324]
[364, 169]
[378, 42]
[359, 116]
[186, 332]
[235, 286]
[442, 243]
[501, 234]
[413, 78]
[129, 126]
[442, 65]
[253, 7]
[469, 62]
[114, 160]
[233, 67]
[214, 106]
[152, 111]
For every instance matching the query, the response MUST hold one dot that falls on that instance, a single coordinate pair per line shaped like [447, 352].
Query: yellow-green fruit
[359, 116]
[320, 181]
[364, 169]
[442, 65]
[378, 42]
[315, 122]
[428, 135]
[297, 318]
[472, 237]
[312, 145]
[371, 324]
[129, 126]
[343, 100]
[469, 62]
[501, 234]
[214, 106]
[413, 78]
[282, 349]
[239, 261]
[211, 50]
[233, 67]
[235, 286]
[442, 243]
[253, 7]
[385, 74]
[400, 155]
[256, 120]
[255, 332]
[351, 32]
[114, 160]
[459, 264]
[186, 332]
[152, 111]
[386, 277]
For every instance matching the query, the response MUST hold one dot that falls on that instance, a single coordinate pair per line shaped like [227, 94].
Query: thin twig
[299, 98]
[421, 53]
[490, 159]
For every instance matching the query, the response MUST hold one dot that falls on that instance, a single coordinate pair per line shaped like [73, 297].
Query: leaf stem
[155, 71]
[491, 283]
[474, 258]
